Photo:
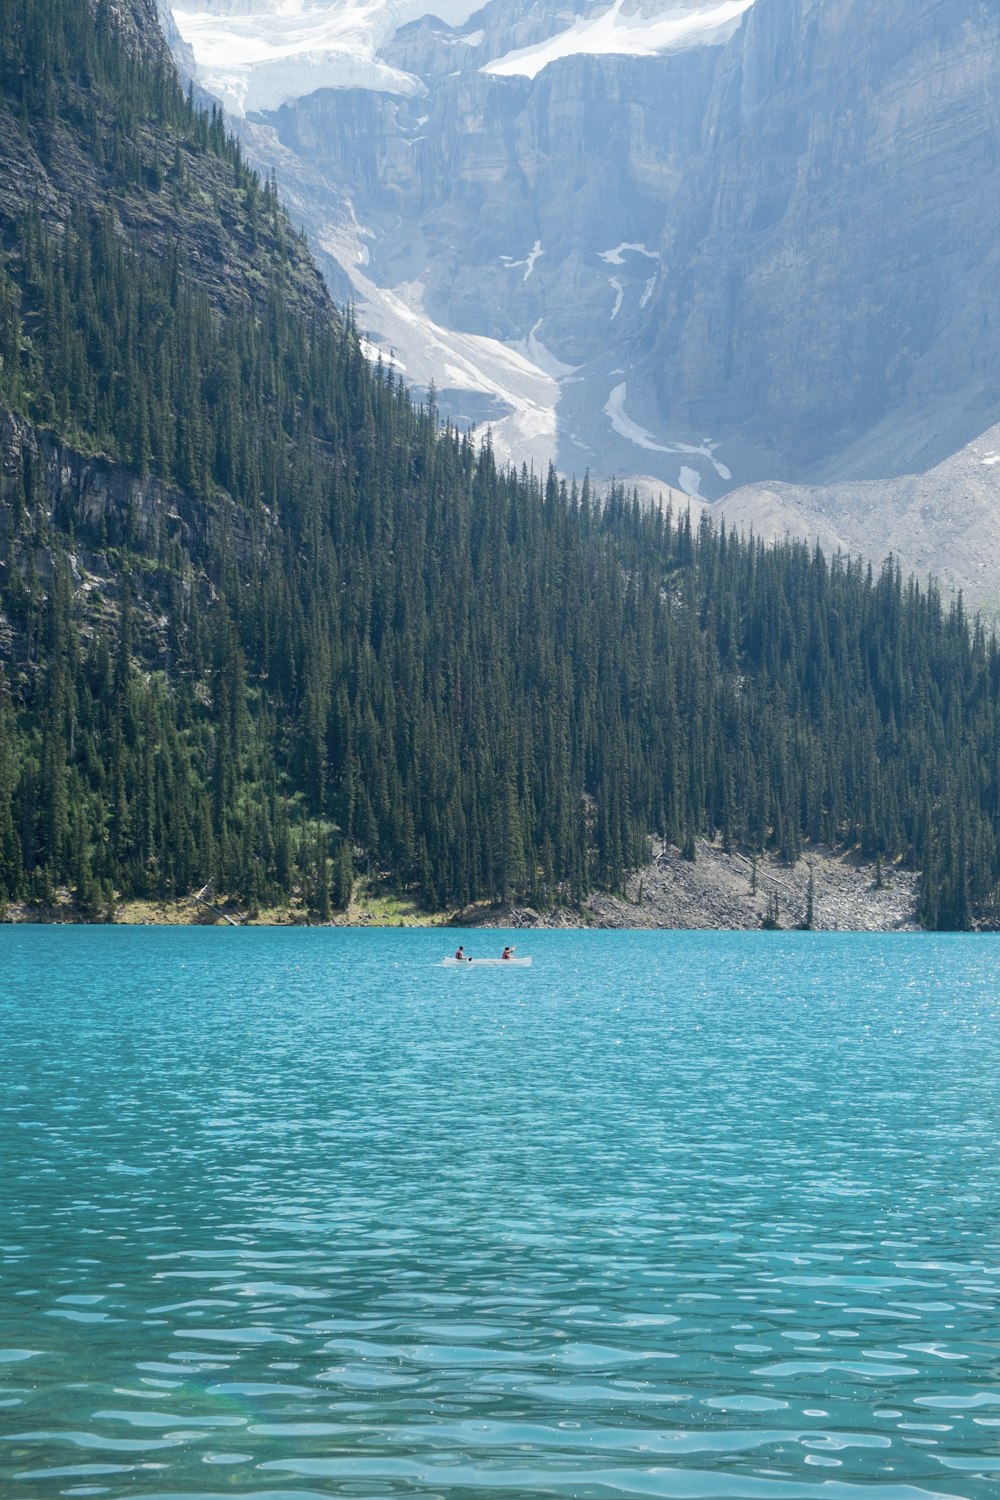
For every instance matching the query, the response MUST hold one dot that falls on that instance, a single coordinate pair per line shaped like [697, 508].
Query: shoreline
[717, 891]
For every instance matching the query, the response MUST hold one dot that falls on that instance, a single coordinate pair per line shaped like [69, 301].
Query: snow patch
[689, 481]
[991, 459]
[614, 408]
[373, 354]
[623, 424]
[616, 257]
[534, 350]
[613, 32]
[510, 264]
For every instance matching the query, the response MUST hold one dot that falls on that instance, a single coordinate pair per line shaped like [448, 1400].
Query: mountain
[709, 245]
[489, 188]
[266, 624]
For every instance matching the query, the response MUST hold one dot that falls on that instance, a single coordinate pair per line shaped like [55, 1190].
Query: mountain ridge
[426, 211]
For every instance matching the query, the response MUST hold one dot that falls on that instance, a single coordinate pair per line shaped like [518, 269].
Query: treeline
[363, 644]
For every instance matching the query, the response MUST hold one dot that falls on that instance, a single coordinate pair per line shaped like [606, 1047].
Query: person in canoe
[460, 953]
[507, 953]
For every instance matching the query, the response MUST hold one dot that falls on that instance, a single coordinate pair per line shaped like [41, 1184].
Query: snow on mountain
[517, 385]
[256, 55]
[623, 424]
[618, 32]
[259, 55]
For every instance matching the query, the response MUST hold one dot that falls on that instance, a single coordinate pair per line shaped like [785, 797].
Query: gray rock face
[944, 522]
[501, 194]
[835, 261]
[101, 494]
[102, 497]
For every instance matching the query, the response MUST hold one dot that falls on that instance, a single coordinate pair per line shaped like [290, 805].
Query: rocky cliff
[832, 262]
[501, 194]
[104, 508]
[114, 145]
[162, 189]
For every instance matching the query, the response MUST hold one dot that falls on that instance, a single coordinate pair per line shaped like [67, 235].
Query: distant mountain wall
[496, 222]
[831, 261]
[457, 188]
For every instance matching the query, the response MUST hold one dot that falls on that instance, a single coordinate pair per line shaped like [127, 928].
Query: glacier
[256, 55]
[259, 54]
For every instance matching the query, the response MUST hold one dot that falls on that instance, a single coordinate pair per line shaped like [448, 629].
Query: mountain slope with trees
[264, 620]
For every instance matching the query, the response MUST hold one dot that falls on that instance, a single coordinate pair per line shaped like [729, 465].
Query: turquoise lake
[294, 1213]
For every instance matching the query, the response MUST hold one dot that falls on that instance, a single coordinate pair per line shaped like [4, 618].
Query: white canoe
[499, 963]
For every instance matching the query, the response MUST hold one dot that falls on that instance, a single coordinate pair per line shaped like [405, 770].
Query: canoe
[498, 963]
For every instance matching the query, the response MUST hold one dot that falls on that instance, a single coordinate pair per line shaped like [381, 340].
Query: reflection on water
[305, 1214]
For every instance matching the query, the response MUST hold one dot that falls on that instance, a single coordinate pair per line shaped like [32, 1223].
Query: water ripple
[290, 1214]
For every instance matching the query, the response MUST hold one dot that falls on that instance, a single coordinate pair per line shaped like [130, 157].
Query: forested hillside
[264, 621]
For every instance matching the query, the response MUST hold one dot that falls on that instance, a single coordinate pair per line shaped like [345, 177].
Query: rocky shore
[731, 891]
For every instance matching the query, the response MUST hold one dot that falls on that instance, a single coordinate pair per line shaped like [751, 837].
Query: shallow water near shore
[303, 1213]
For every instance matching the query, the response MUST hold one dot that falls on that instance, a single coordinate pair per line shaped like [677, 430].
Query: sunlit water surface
[302, 1213]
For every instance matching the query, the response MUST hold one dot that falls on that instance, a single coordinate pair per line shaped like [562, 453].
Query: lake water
[302, 1213]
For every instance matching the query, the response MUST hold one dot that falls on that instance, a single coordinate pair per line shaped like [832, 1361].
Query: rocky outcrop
[829, 890]
[88, 508]
[165, 196]
[63, 487]
[101, 499]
